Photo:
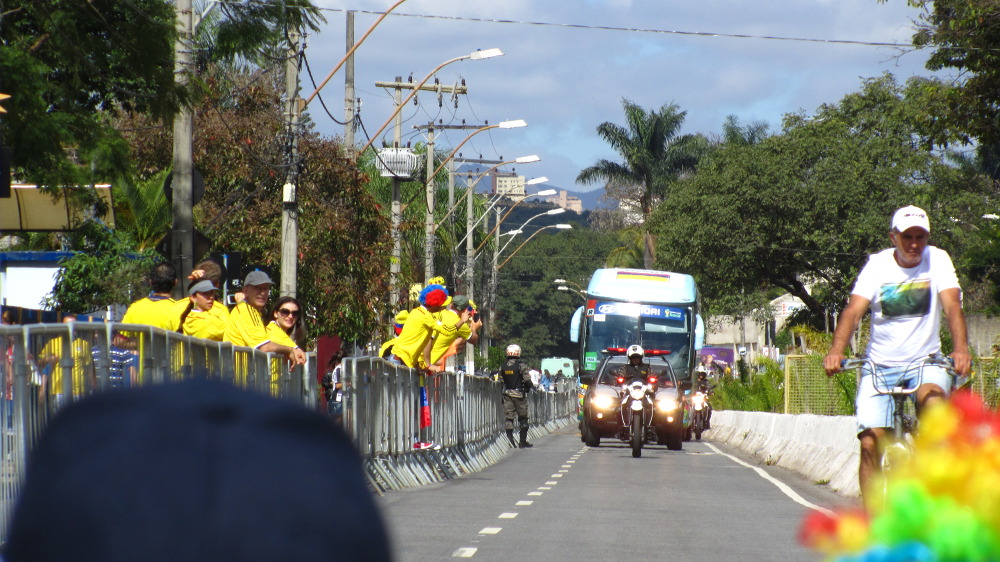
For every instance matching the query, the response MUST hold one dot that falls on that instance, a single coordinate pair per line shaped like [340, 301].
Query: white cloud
[565, 80]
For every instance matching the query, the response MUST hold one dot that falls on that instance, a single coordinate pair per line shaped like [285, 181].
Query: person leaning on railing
[285, 327]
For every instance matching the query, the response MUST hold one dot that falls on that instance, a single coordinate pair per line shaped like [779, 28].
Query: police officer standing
[516, 379]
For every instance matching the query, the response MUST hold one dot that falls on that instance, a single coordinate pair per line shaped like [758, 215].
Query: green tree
[806, 206]
[654, 154]
[529, 310]
[965, 36]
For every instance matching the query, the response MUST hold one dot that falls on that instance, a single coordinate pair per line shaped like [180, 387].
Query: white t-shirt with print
[905, 304]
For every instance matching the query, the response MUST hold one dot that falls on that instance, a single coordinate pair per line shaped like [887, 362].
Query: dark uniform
[631, 372]
[516, 383]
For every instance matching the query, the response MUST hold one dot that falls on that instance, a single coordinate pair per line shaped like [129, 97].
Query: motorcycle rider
[635, 367]
[702, 385]
[516, 379]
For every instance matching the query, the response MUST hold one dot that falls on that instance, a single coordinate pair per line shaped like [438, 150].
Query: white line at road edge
[781, 485]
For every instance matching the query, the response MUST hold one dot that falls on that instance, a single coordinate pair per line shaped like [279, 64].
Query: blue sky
[565, 73]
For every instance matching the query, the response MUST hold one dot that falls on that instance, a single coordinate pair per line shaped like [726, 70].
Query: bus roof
[642, 285]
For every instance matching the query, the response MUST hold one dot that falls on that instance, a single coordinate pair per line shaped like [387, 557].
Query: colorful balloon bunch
[942, 504]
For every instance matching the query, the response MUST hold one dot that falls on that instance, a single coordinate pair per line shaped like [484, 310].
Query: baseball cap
[198, 459]
[910, 216]
[203, 286]
[257, 277]
[461, 302]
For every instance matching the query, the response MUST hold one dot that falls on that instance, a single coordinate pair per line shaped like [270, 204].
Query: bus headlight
[602, 401]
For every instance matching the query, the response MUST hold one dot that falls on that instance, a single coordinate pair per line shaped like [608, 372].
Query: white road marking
[781, 485]
[551, 483]
[567, 466]
[524, 502]
[534, 493]
[557, 476]
[466, 552]
[507, 516]
[544, 488]
[491, 531]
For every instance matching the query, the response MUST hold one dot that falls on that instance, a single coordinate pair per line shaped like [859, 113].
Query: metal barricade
[382, 414]
[48, 366]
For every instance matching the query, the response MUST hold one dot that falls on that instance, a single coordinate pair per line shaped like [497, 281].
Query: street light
[429, 226]
[575, 292]
[556, 211]
[559, 226]
[564, 281]
[477, 55]
[472, 187]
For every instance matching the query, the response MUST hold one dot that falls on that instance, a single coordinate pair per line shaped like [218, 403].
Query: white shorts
[874, 409]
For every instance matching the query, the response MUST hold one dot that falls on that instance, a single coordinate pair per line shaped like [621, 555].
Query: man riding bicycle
[907, 287]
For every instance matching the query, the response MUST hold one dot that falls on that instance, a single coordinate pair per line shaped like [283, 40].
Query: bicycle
[897, 446]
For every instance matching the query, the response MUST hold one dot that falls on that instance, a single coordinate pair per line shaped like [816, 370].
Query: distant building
[509, 185]
[566, 201]
[631, 211]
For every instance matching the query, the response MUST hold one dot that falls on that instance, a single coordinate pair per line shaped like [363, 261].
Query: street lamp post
[575, 292]
[429, 227]
[477, 55]
[535, 233]
[496, 268]
[564, 281]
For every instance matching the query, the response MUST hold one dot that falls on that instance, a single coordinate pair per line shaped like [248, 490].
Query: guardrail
[44, 367]
[382, 416]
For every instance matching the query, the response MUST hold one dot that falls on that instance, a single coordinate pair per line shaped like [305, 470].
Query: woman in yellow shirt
[286, 328]
[197, 319]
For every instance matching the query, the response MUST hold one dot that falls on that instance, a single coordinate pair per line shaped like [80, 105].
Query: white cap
[908, 217]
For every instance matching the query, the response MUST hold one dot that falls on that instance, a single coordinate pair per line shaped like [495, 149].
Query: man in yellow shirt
[155, 310]
[446, 345]
[246, 326]
[81, 373]
[412, 347]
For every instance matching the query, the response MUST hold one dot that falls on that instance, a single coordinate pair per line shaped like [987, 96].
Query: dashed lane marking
[509, 515]
[534, 493]
[466, 552]
[491, 531]
[557, 476]
[551, 483]
[544, 488]
[524, 502]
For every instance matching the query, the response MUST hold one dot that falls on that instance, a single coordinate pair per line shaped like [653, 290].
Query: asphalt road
[562, 500]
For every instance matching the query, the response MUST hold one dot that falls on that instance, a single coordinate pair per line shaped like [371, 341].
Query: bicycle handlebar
[934, 359]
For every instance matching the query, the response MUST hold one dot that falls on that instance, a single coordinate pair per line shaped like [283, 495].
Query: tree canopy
[806, 206]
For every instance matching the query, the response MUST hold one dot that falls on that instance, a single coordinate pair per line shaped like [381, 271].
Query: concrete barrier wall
[824, 449]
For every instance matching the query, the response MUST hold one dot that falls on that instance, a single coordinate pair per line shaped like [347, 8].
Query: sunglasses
[287, 312]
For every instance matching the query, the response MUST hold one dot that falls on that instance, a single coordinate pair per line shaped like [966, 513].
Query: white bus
[659, 310]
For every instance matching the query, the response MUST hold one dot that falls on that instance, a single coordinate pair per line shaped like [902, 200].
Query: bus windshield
[617, 324]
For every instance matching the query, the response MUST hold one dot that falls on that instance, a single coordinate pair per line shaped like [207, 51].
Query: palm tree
[654, 157]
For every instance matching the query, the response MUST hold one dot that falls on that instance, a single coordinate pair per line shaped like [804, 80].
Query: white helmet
[514, 350]
[635, 350]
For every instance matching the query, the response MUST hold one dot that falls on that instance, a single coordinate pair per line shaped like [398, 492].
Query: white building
[509, 185]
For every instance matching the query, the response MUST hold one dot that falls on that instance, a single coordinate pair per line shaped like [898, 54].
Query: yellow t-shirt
[442, 342]
[417, 331]
[207, 325]
[219, 311]
[82, 362]
[278, 335]
[151, 311]
[245, 327]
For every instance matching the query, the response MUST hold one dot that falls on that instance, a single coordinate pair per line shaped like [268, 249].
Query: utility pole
[349, 91]
[181, 239]
[429, 221]
[429, 216]
[289, 201]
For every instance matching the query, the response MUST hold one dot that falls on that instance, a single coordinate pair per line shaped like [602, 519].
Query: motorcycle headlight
[698, 400]
[637, 392]
[602, 401]
[666, 404]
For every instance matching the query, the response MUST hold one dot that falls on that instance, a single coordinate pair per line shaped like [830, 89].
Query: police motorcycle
[699, 404]
[637, 396]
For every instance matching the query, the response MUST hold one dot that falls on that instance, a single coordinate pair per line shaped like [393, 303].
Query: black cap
[195, 470]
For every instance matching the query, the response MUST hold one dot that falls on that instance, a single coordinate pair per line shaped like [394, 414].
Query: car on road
[601, 410]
